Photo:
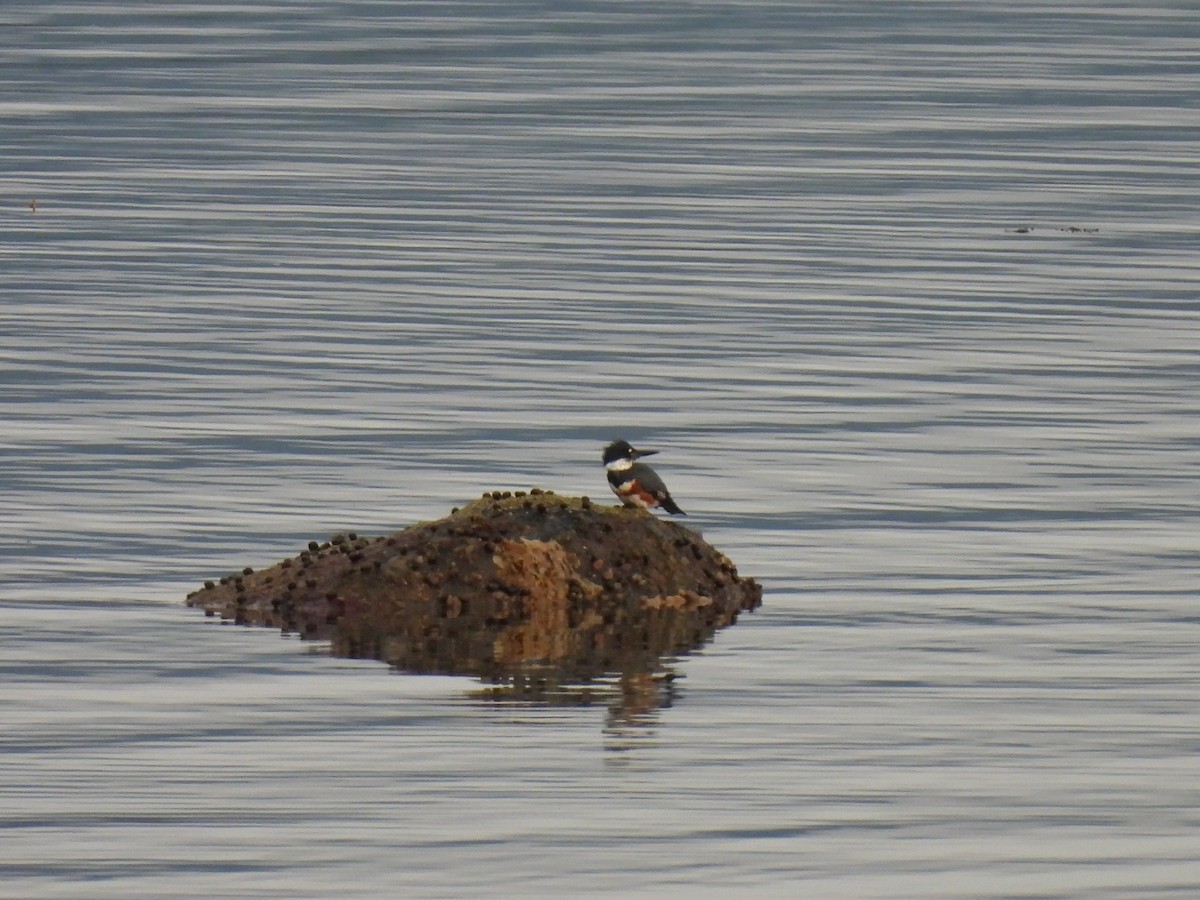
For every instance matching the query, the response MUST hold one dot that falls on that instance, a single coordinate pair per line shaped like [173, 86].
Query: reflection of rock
[513, 586]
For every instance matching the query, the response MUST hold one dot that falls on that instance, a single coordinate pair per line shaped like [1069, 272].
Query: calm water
[905, 292]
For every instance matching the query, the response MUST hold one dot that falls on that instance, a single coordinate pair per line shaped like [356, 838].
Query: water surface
[905, 293]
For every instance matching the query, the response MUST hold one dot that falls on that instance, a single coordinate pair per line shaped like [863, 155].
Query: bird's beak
[637, 454]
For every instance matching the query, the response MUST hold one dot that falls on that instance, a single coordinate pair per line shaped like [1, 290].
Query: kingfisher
[636, 483]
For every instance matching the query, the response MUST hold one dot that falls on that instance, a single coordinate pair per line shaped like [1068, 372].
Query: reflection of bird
[636, 483]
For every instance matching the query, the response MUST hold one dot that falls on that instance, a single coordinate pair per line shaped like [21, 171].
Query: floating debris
[1069, 229]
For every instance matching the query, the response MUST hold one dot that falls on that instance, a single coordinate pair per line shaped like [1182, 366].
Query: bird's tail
[670, 506]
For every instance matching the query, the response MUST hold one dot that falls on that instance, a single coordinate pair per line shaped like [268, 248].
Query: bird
[636, 483]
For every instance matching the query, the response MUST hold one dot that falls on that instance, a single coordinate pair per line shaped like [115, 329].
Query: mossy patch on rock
[511, 583]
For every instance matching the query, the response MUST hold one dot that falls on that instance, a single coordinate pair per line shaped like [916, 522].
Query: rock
[512, 583]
